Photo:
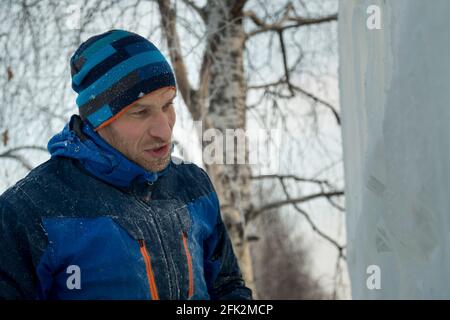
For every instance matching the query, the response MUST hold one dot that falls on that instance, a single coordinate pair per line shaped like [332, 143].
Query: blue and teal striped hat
[112, 70]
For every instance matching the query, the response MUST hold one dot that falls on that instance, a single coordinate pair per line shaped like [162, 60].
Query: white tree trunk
[226, 110]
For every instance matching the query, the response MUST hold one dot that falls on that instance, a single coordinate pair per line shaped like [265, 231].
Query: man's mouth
[158, 152]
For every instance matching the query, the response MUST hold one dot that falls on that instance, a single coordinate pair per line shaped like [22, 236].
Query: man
[111, 215]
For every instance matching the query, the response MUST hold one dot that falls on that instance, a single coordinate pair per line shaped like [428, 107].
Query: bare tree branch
[168, 22]
[310, 95]
[317, 99]
[267, 85]
[236, 10]
[201, 11]
[19, 158]
[285, 62]
[294, 177]
[339, 247]
[337, 272]
[294, 202]
[10, 154]
[11, 150]
[255, 212]
[286, 22]
[334, 204]
[301, 179]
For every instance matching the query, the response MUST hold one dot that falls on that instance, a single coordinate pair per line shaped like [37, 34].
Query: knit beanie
[112, 70]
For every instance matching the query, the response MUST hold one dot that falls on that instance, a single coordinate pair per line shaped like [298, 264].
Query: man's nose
[160, 127]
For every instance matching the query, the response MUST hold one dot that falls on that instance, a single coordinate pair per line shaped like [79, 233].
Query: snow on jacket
[90, 224]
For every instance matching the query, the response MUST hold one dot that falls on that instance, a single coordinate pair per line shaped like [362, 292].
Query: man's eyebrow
[144, 105]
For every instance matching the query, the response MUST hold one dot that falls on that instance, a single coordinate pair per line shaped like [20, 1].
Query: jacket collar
[79, 141]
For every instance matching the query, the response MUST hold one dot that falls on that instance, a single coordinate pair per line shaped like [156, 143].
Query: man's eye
[140, 113]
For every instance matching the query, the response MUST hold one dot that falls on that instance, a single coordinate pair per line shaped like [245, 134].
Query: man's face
[144, 132]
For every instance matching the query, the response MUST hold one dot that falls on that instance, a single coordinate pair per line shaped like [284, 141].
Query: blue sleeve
[223, 275]
[16, 267]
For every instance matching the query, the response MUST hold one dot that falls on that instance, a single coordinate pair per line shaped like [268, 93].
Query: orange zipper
[148, 268]
[189, 260]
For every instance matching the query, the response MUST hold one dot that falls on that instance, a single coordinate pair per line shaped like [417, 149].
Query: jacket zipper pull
[148, 196]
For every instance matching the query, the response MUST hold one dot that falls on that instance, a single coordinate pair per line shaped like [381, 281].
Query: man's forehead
[151, 101]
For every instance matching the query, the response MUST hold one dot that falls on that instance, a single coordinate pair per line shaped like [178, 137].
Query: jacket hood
[79, 141]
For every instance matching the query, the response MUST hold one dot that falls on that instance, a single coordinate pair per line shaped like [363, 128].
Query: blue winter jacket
[90, 224]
